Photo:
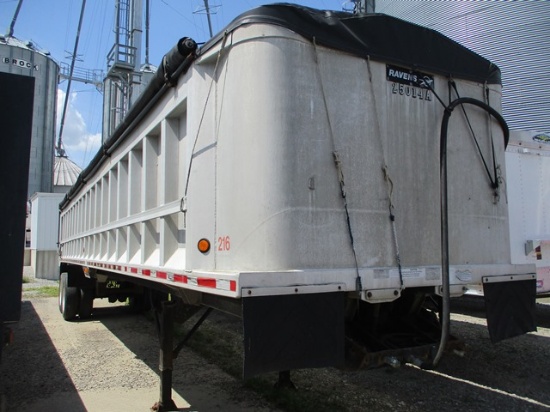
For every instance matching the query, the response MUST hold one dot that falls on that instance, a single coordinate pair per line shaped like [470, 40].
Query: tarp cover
[381, 37]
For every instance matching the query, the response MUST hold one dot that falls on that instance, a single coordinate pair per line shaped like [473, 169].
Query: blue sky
[52, 26]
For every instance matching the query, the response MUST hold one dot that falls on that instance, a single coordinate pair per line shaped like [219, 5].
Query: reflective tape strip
[224, 284]
[206, 282]
[179, 278]
[200, 282]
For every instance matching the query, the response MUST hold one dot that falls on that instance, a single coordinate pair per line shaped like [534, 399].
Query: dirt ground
[110, 363]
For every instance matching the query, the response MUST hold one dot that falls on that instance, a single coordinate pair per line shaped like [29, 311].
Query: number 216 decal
[224, 244]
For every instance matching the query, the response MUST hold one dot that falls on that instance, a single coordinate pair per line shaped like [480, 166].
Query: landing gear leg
[284, 381]
[166, 335]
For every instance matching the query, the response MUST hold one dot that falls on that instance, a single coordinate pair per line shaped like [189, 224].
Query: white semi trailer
[528, 168]
[331, 178]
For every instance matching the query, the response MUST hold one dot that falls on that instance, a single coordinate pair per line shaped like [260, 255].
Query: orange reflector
[203, 245]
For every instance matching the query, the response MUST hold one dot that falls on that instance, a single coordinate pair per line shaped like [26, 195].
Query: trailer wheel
[86, 303]
[62, 292]
[69, 298]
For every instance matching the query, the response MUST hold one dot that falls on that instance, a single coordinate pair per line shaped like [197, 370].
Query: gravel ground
[512, 375]
[114, 356]
[107, 363]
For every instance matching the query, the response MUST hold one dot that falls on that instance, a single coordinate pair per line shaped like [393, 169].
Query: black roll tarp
[173, 63]
[379, 36]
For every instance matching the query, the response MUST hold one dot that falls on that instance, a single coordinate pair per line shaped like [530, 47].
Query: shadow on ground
[31, 368]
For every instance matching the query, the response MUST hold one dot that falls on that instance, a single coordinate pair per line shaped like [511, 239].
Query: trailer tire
[86, 303]
[61, 292]
[69, 298]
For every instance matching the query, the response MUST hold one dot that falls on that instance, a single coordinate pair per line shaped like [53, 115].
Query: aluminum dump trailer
[528, 167]
[332, 179]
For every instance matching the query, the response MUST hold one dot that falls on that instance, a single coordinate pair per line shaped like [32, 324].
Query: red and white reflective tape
[212, 283]
[182, 278]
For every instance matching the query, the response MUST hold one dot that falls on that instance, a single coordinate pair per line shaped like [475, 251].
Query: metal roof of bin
[65, 172]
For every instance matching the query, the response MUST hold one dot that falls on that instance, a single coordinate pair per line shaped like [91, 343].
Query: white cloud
[80, 144]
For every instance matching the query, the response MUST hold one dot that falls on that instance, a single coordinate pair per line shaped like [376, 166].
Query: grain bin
[24, 58]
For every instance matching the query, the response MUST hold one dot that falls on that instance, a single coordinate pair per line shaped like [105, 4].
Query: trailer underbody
[334, 330]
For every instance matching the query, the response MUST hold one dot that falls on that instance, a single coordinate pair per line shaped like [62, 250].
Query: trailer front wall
[267, 147]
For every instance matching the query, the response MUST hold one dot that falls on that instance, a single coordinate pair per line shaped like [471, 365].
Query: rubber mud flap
[510, 308]
[293, 331]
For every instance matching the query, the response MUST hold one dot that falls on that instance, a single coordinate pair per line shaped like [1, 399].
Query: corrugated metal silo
[515, 35]
[18, 57]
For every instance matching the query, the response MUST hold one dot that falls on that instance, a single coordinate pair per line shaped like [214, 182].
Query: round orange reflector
[203, 245]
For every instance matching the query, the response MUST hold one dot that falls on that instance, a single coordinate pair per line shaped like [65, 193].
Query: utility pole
[208, 9]
[363, 6]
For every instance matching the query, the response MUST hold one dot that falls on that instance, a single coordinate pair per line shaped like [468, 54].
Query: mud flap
[510, 308]
[292, 332]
